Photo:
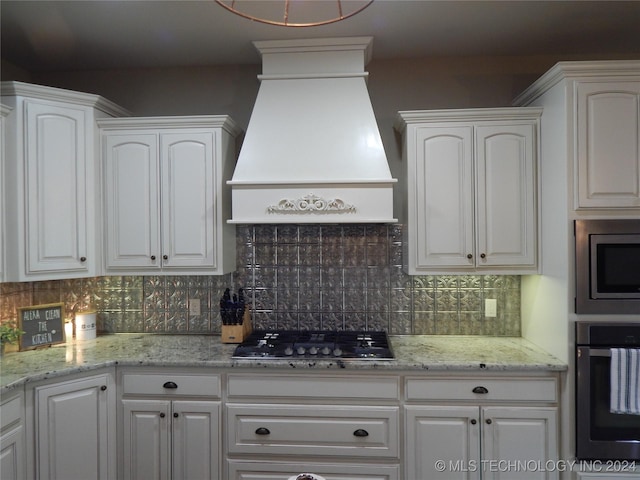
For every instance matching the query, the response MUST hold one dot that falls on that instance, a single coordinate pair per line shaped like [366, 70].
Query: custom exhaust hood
[312, 151]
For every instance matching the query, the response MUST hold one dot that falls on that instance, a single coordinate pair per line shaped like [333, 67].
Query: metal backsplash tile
[295, 276]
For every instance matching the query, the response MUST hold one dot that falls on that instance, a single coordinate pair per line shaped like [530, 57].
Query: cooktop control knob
[313, 350]
[288, 351]
[301, 350]
[337, 352]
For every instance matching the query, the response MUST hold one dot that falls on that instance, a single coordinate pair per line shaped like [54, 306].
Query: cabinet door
[442, 442]
[524, 436]
[56, 189]
[196, 440]
[188, 208]
[132, 201]
[441, 199]
[505, 195]
[608, 145]
[12, 454]
[146, 443]
[74, 429]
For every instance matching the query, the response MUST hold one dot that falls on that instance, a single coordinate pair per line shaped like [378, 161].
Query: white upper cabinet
[166, 201]
[4, 111]
[51, 183]
[608, 143]
[471, 190]
[591, 123]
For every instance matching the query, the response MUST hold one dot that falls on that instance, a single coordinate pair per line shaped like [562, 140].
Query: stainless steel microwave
[608, 266]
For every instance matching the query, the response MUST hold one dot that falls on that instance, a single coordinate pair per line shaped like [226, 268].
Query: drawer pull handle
[480, 389]
[103, 388]
[473, 421]
[361, 433]
[469, 256]
[161, 414]
[153, 257]
[175, 415]
[488, 421]
[170, 385]
[165, 257]
[262, 431]
[83, 259]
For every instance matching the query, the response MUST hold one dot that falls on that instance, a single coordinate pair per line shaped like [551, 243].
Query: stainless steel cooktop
[283, 344]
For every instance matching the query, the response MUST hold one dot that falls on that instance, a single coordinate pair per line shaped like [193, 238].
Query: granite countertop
[412, 352]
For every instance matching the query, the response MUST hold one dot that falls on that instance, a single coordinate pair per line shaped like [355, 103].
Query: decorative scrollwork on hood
[311, 204]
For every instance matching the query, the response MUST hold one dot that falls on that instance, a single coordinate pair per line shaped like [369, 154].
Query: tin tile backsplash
[295, 277]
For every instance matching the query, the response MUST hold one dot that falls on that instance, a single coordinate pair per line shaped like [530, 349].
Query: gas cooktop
[283, 344]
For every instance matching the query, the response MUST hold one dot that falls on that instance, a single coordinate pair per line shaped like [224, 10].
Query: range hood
[312, 151]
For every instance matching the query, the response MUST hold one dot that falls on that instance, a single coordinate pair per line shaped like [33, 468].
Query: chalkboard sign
[43, 325]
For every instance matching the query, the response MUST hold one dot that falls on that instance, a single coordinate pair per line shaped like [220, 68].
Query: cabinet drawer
[11, 412]
[239, 470]
[516, 389]
[346, 387]
[171, 384]
[313, 430]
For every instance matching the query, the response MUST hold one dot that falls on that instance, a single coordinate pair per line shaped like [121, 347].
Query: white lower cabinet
[340, 427]
[12, 437]
[486, 429]
[170, 425]
[246, 470]
[74, 432]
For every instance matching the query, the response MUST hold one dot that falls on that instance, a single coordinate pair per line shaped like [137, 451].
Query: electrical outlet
[490, 307]
[194, 306]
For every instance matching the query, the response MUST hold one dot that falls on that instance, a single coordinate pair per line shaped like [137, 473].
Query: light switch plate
[490, 307]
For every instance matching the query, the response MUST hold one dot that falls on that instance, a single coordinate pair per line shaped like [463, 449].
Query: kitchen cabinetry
[484, 428]
[472, 190]
[170, 425]
[607, 159]
[12, 437]
[74, 431]
[280, 426]
[166, 200]
[50, 180]
[4, 111]
[598, 106]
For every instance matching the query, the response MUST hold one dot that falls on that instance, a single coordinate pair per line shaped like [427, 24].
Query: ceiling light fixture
[295, 13]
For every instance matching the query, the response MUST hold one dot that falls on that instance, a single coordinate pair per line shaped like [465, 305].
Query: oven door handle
[599, 352]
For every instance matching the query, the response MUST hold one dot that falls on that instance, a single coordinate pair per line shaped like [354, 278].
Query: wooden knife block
[237, 333]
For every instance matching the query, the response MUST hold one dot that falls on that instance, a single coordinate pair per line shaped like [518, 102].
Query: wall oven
[608, 266]
[600, 434]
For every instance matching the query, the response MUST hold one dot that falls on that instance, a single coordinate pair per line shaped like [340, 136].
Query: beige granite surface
[412, 352]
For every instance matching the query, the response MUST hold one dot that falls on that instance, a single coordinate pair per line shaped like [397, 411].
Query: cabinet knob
[262, 431]
[360, 433]
[165, 257]
[153, 257]
[483, 255]
[488, 420]
[103, 388]
[83, 259]
[469, 256]
[161, 414]
[170, 385]
[175, 415]
[473, 421]
[480, 389]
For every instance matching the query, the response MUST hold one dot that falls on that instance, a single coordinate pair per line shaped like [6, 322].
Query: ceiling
[46, 36]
